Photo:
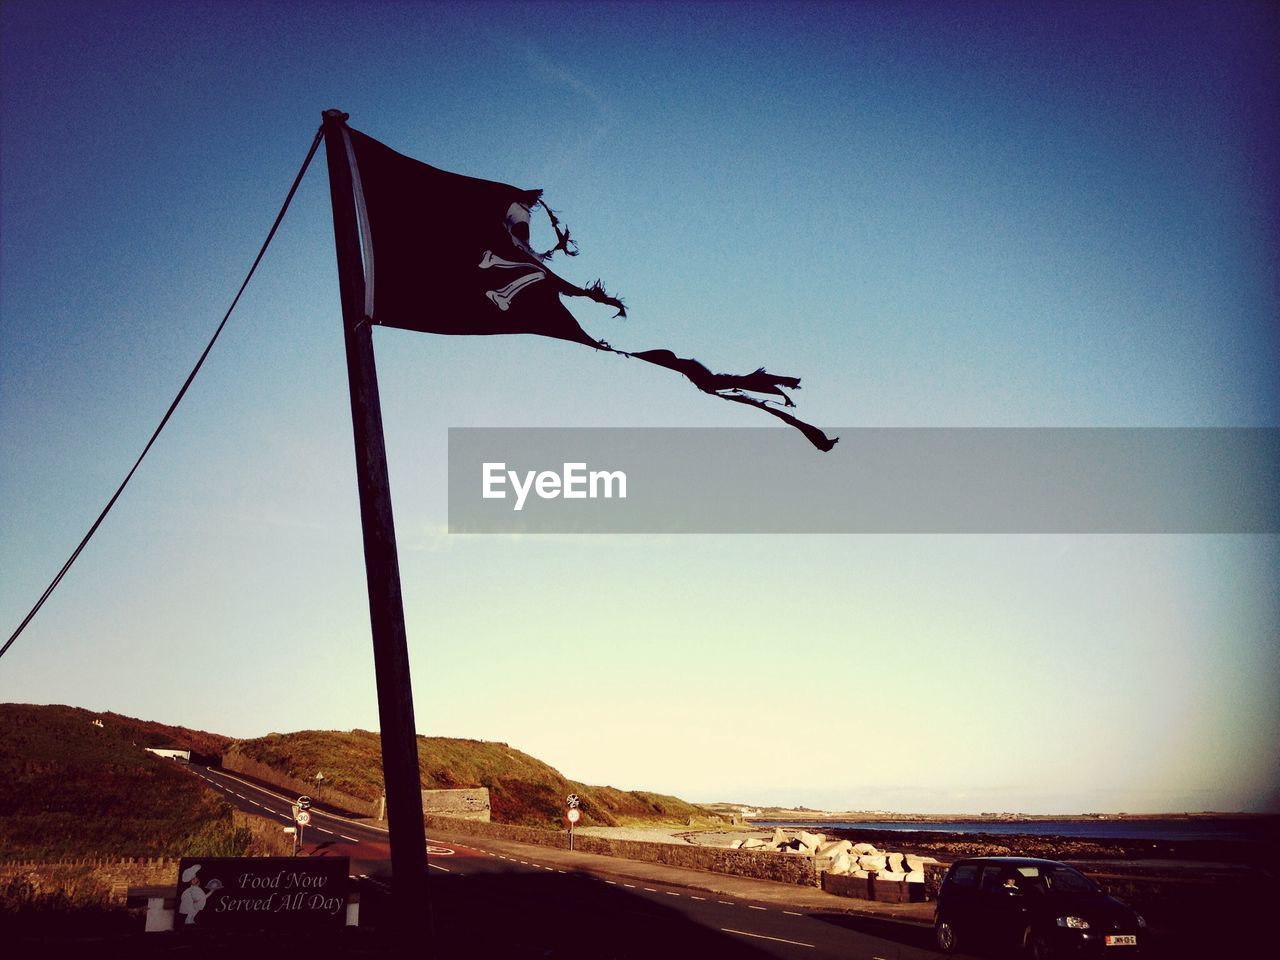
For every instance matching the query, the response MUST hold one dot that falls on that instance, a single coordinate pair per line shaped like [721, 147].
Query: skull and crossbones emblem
[517, 224]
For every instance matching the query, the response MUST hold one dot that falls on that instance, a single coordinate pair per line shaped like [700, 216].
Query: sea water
[1108, 829]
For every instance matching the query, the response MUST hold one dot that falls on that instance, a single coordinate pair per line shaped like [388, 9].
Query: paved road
[498, 898]
[518, 901]
[598, 914]
[327, 834]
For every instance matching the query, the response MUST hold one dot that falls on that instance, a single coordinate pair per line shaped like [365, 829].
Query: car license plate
[1121, 940]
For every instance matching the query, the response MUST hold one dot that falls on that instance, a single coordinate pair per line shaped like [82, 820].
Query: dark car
[1043, 907]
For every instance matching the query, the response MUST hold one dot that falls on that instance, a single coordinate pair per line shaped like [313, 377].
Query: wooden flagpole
[382, 566]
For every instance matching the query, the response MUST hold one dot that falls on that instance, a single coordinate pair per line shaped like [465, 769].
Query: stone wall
[118, 873]
[466, 803]
[779, 867]
[933, 875]
[873, 888]
[237, 762]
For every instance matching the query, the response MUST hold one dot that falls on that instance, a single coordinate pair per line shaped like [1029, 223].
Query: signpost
[574, 815]
[302, 817]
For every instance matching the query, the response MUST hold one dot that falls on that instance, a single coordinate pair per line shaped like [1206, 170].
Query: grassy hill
[71, 789]
[522, 789]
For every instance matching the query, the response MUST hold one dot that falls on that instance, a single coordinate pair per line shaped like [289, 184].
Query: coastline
[1200, 819]
[1160, 854]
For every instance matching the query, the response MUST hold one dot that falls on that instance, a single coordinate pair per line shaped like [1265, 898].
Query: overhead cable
[172, 406]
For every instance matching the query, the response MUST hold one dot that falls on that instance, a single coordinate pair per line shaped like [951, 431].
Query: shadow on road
[509, 915]
[1160, 944]
[518, 915]
[906, 934]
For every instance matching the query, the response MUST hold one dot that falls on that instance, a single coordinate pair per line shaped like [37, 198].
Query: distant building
[182, 756]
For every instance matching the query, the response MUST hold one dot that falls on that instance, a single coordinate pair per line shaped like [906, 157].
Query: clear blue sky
[937, 215]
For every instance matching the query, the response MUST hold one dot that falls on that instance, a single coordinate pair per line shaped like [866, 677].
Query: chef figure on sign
[193, 898]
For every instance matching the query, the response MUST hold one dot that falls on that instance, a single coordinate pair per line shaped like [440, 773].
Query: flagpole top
[335, 114]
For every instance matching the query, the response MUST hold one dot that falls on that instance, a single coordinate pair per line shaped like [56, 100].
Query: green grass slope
[72, 789]
[522, 789]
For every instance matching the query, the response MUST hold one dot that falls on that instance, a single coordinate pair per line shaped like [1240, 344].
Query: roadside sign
[573, 800]
[304, 803]
[261, 893]
[303, 817]
[574, 814]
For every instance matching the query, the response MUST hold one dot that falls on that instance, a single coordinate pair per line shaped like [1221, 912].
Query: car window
[1030, 880]
[1005, 880]
[991, 878]
[964, 875]
[1067, 880]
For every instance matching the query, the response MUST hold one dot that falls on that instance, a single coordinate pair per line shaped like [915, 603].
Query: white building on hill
[182, 756]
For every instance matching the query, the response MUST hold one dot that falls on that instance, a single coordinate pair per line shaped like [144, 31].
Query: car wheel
[945, 935]
[1037, 946]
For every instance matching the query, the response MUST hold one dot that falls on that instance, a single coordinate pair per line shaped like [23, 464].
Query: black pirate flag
[445, 253]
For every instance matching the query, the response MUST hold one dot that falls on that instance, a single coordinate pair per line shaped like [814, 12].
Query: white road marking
[345, 837]
[241, 796]
[329, 832]
[650, 890]
[727, 903]
[435, 866]
[255, 803]
[670, 894]
[614, 882]
[751, 906]
[794, 914]
[560, 871]
[269, 793]
[761, 936]
[631, 885]
[692, 897]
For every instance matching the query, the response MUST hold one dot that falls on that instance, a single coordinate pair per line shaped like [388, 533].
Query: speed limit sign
[574, 814]
[303, 817]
